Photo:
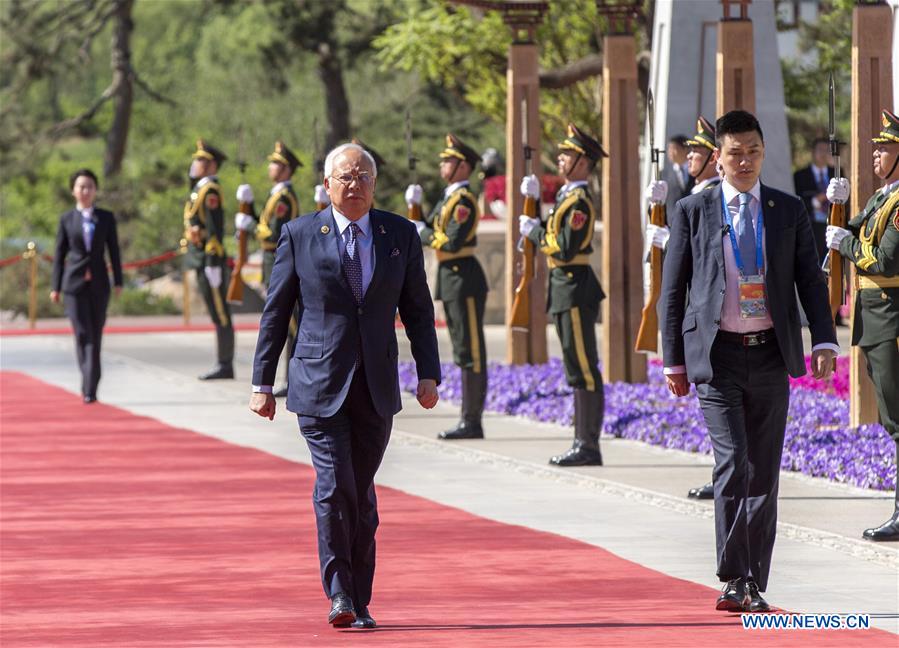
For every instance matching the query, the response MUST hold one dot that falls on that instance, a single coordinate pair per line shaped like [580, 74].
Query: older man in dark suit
[737, 256]
[349, 268]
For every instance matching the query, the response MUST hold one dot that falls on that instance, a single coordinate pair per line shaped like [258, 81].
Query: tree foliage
[465, 51]
[828, 44]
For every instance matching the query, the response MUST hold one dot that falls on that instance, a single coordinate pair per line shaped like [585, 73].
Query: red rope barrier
[143, 263]
[10, 260]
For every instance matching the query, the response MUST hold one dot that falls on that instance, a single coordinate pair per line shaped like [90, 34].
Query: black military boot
[474, 392]
[889, 530]
[588, 413]
[224, 369]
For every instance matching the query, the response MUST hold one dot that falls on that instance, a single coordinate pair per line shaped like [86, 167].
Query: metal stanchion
[31, 255]
[185, 287]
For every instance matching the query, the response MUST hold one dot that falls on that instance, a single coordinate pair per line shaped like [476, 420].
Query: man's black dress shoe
[734, 596]
[463, 430]
[342, 612]
[756, 602]
[706, 492]
[364, 620]
[886, 532]
[90, 399]
[220, 372]
[281, 392]
[578, 455]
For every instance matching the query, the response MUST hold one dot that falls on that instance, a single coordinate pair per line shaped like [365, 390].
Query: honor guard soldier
[574, 294]
[281, 207]
[872, 243]
[702, 165]
[204, 229]
[451, 229]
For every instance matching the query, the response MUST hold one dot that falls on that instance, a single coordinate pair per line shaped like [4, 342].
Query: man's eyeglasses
[364, 178]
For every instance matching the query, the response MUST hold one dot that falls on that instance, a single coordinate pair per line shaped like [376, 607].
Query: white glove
[419, 225]
[526, 224]
[243, 222]
[245, 193]
[835, 234]
[213, 275]
[413, 195]
[658, 235]
[530, 187]
[321, 195]
[657, 190]
[838, 190]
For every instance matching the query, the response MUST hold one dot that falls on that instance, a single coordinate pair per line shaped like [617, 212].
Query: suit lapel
[380, 240]
[712, 216]
[326, 235]
[77, 230]
[768, 209]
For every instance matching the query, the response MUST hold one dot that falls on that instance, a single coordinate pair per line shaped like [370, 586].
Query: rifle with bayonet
[648, 334]
[414, 209]
[235, 286]
[520, 317]
[319, 162]
[835, 286]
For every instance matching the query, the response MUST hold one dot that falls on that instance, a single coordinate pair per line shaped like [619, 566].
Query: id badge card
[752, 297]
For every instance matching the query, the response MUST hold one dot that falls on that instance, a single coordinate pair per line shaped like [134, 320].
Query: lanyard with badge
[752, 287]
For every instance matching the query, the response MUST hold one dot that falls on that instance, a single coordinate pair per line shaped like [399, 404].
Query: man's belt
[578, 260]
[756, 338]
[449, 256]
[876, 282]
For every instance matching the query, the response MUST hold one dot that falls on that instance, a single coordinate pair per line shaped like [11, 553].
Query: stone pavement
[634, 506]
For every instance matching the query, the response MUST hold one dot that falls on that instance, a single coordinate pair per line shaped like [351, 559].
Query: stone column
[622, 217]
[735, 64]
[523, 84]
[872, 90]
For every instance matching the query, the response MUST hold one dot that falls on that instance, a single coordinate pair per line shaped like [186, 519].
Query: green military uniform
[574, 295]
[451, 230]
[204, 225]
[705, 138]
[281, 207]
[874, 249]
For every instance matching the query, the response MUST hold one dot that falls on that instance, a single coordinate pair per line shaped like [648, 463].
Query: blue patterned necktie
[746, 236]
[352, 265]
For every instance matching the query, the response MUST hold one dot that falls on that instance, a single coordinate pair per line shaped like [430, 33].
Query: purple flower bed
[819, 441]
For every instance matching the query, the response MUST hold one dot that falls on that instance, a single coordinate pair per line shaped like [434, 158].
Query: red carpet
[114, 330]
[118, 530]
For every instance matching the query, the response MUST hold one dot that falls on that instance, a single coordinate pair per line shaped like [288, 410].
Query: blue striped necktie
[746, 236]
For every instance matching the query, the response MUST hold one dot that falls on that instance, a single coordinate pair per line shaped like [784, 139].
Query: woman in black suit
[80, 271]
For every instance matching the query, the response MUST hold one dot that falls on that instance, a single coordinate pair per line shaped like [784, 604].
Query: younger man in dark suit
[737, 256]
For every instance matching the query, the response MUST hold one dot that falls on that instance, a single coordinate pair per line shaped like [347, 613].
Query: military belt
[268, 247]
[449, 256]
[875, 282]
[578, 260]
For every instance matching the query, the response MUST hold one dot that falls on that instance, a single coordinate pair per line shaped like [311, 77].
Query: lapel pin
[395, 252]
[770, 203]
[381, 229]
[325, 229]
